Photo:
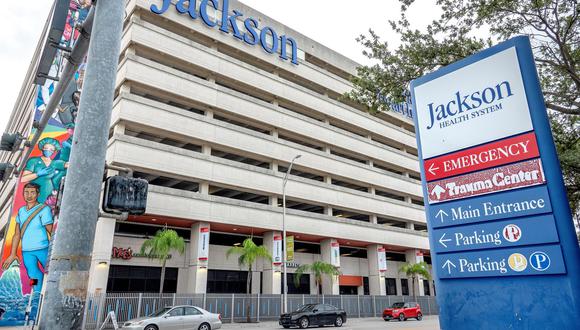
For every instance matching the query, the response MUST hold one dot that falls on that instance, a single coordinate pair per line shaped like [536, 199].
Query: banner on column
[335, 254]
[382, 259]
[33, 219]
[277, 251]
[203, 244]
[289, 248]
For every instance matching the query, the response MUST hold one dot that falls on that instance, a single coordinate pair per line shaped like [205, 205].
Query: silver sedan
[177, 318]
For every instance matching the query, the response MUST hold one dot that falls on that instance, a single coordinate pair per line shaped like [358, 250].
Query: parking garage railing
[233, 307]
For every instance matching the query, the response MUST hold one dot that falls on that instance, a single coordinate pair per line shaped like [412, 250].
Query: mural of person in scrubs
[43, 170]
[33, 229]
[67, 145]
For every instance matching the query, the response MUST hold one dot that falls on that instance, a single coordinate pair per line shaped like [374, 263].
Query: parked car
[176, 318]
[313, 314]
[403, 311]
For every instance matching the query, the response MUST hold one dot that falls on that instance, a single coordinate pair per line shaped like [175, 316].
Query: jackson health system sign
[499, 222]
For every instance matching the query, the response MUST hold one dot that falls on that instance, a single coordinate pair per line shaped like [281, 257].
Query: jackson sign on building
[499, 222]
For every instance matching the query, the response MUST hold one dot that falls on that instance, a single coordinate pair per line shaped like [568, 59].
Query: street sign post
[503, 243]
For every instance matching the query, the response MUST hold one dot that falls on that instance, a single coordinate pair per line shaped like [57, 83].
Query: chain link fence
[234, 307]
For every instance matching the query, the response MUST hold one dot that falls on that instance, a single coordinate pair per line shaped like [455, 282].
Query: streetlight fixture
[285, 280]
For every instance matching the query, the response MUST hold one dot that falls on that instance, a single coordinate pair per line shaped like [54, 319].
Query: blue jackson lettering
[463, 107]
[251, 34]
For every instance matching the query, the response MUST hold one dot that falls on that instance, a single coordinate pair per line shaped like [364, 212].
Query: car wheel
[419, 317]
[338, 321]
[401, 317]
[204, 326]
[303, 323]
[151, 327]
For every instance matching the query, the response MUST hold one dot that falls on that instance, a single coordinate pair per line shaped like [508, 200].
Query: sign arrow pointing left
[442, 240]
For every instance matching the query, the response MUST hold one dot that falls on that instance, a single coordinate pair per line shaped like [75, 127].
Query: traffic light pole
[68, 269]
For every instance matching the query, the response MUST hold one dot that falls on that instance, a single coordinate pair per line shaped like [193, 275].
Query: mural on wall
[33, 218]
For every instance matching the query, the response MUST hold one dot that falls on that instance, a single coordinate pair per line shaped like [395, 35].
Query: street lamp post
[285, 293]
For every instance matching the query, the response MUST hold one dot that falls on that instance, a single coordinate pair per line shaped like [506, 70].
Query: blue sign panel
[505, 233]
[504, 254]
[524, 261]
[504, 205]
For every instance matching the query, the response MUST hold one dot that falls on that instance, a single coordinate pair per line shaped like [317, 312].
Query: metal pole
[285, 279]
[70, 260]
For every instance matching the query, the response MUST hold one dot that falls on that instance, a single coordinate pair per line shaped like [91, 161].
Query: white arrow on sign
[438, 190]
[441, 215]
[442, 240]
[432, 169]
[449, 264]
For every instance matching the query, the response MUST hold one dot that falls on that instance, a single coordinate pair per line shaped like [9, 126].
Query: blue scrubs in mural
[45, 171]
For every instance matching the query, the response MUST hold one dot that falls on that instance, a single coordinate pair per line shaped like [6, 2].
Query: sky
[334, 23]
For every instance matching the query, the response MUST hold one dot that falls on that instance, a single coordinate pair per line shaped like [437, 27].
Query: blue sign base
[541, 289]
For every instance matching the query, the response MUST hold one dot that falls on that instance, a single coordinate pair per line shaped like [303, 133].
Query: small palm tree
[414, 271]
[248, 253]
[319, 269]
[160, 246]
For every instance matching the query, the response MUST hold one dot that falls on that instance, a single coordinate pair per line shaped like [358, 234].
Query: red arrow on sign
[492, 154]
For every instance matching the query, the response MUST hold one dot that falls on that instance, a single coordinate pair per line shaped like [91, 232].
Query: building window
[393, 256]
[391, 285]
[302, 288]
[348, 290]
[141, 279]
[227, 281]
[366, 287]
[426, 288]
[224, 239]
[404, 287]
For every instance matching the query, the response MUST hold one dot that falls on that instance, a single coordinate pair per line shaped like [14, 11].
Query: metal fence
[233, 307]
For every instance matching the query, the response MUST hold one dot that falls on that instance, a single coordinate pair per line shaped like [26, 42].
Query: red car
[403, 311]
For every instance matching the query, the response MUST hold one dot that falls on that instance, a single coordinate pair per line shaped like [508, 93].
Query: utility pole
[70, 260]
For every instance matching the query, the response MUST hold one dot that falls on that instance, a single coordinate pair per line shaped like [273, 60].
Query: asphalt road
[428, 323]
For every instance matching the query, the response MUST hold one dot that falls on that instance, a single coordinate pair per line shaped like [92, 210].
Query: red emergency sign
[492, 154]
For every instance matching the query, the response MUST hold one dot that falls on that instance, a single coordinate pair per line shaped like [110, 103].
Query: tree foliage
[554, 30]
[160, 246]
[414, 271]
[319, 269]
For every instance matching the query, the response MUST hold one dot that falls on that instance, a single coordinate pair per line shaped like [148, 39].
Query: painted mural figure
[45, 171]
[33, 230]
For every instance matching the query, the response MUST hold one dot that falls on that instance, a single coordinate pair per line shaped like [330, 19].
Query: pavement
[428, 323]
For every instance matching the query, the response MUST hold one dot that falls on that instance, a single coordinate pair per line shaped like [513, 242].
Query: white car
[177, 318]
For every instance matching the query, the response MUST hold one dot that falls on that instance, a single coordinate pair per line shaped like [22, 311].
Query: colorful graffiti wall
[34, 214]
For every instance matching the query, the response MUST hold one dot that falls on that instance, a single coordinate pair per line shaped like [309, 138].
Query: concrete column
[274, 165]
[272, 273]
[313, 287]
[101, 256]
[329, 285]
[410, 225]
[328, 210]
[197, 281]
[408, 199]
[413, 258]
[398, 284]
[371, 163]
[377, 285]
[125, 88]
[360, 290]
[204, 188]
[119, 129]
[206, 149]
[374, 219]
[255, 289]
[209, 113]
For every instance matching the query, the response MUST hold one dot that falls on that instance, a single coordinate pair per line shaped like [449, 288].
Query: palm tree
[319, 269]
[414, 271]
[160, 246]
[248, 253]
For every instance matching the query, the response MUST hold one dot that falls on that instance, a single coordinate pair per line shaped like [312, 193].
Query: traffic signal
[11, 141]
[6, 170]
[125, 195]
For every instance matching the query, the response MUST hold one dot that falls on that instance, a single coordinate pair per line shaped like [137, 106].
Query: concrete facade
[212, 123]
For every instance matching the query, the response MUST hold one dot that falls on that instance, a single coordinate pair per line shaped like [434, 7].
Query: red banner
[489, 155]
[527, 173]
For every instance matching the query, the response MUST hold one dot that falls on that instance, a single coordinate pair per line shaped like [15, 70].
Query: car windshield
[161, 312]
[398, 305]
[305, 308]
